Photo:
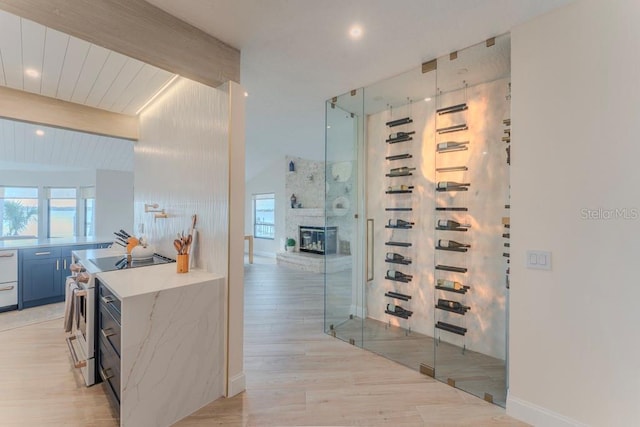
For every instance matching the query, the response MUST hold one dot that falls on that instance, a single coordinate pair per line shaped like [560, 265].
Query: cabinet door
[41, 279]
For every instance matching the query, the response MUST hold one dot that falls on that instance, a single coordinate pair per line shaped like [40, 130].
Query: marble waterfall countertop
[54, 241]
[173, 347]
[155, 278]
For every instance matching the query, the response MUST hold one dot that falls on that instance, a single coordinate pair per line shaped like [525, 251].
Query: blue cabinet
[41, 277]
[43, 273]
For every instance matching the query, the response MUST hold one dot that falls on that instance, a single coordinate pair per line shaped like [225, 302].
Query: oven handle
[80, 293]
[107, 299]
[76, 362]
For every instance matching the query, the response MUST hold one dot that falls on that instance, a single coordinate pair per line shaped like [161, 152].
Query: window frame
[38, 215]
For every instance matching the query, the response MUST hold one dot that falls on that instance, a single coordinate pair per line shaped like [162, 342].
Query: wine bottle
[399, 223]
[455, 305]
[398, 310]
[398, 188]
[399, 135]
[451, 145]
[394, 274]
[401, 171]
[450, 284]
[449, 185]
[451, 244]
[451, 225]
[392, 256]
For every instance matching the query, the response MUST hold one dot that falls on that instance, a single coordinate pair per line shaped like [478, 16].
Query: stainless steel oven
[82, 341]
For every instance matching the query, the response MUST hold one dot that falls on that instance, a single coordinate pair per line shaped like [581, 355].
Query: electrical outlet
[539, 260]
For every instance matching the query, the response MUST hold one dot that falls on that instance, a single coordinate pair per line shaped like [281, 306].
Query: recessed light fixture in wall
[32, 72]
[355, 32]
[39, 132]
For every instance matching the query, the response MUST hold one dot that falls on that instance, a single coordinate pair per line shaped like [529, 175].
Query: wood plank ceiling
[44, 61]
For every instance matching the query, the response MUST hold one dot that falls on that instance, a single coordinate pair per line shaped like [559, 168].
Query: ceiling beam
[140, 30]
[32, 108]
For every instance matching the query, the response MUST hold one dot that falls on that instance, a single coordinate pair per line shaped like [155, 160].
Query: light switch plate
[539, 260]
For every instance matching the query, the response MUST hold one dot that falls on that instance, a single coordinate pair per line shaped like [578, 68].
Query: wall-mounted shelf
[396, 227]
[452, 109]
[408, 190]
[455, 291]
[398, 122]
[390, 175]
[451, 229]
[452, 169]
[395, 141]
[399, 157]
[397, 295]
[451, 328]
[454, 128]
[451, 268]
[399, 279]
[398, 261]
[398, 209]
[401, 244]
[452, 306]
[452, 209]
[442, 248]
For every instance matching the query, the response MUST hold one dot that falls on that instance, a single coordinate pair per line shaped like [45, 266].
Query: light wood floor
[296, 374]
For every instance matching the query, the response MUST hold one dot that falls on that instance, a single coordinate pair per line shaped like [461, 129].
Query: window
[19, 212]
[62, 212]
[264, 216]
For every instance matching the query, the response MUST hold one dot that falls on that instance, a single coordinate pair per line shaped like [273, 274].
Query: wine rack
[400, 188]
[453, 234]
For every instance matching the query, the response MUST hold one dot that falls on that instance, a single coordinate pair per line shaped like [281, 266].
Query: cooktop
[122, 262]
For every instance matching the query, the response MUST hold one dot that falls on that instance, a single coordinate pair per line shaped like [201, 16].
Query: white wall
[575, 356]
[114, 202]
[189, 137]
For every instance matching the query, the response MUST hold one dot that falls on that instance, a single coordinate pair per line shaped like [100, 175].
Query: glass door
[417, 193]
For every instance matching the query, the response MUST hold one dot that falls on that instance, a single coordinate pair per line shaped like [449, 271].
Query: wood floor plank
[296, 374]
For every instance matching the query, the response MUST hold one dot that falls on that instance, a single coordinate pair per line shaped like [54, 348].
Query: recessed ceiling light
[427, 99]
[355, 32]
[328, 126]
[246, 94]
[39, 132]
[32, 72]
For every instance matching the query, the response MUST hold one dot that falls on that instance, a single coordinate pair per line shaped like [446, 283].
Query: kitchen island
[161, 345]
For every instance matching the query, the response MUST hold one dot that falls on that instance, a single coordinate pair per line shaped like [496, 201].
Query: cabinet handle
[58, 264]
[107, 300]
[64, 263]
[6, 254]
[103, 374]
[42, 253]
[7, 288]
[107, 334]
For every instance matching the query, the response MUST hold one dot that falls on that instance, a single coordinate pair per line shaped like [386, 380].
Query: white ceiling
[296, 53]
[60, 149]
[72, 69]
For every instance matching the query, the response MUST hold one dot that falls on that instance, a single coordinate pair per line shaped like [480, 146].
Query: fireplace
[318, 240]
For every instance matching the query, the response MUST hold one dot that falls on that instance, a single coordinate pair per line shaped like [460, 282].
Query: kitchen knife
[125, 233]
[118, 243]
[120, 235]
[121, 242]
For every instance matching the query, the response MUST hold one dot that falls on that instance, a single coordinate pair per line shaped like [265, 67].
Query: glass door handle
[370, 258]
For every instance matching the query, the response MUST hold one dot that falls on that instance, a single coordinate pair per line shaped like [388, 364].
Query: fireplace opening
[318, 240]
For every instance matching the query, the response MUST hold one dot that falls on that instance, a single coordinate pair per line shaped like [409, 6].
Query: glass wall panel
[344, 303]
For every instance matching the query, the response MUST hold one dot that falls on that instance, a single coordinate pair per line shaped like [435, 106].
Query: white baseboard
[237, 384]
[266, 254]
[537, 415]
